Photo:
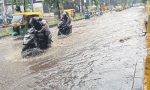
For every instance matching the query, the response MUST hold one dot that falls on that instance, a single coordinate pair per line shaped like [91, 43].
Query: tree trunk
[81, 6]
[24, 4]
[58, 7]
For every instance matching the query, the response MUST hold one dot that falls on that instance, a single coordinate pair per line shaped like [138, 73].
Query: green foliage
[50, 3]
[97, 2]
[19, 2]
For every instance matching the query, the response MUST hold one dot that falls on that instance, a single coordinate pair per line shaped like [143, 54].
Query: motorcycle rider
[66, 18]
[42, 27]
[46, 29]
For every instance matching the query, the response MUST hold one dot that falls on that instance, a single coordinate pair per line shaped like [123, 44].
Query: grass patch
[78, 17]
[5, 32]
[53, 22]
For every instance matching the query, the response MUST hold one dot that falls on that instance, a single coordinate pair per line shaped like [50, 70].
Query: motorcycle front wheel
[25, 47]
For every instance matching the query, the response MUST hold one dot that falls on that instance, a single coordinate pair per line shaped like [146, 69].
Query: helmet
[36, 23]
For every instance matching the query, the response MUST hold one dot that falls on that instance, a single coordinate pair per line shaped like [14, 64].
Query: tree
[24, 3]
[55, 4]
[97, 2]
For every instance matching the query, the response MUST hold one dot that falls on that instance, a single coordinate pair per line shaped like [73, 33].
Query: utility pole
[90, 4]
[24, 3]
[62, 5]
[81, 6]
[32, 2]
[58, 7]
[12, 4]
[4, 10]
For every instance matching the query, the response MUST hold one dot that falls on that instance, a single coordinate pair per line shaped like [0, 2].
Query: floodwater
[103, 53]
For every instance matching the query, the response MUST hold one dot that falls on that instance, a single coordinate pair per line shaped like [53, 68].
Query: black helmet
[36, 23]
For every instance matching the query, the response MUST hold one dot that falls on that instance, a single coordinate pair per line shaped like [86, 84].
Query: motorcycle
[101, 12]
[34, 39]
[64, 29]
[98, 13]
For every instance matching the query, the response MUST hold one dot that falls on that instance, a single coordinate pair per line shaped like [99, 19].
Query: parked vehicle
[87, 15]
[20, 22]
[99, 12]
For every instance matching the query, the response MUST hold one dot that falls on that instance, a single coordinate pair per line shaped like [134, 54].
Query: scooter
[34, 39]
[64, 29]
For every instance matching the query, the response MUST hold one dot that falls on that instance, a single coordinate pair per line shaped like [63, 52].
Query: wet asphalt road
[103, 53]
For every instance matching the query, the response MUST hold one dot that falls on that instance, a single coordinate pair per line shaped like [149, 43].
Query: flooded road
[103, 53]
